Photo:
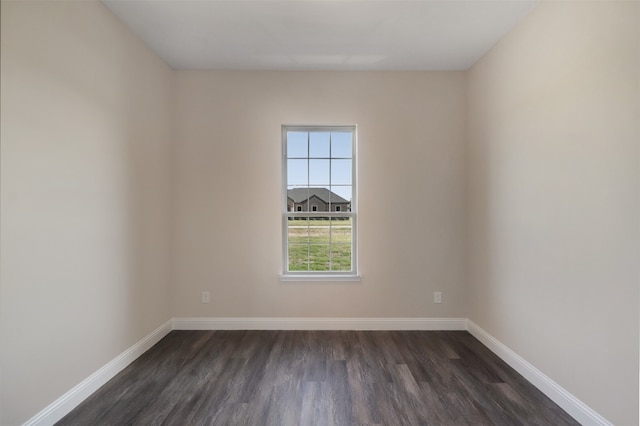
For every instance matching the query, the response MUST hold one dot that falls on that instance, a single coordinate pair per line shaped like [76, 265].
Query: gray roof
[300, 195]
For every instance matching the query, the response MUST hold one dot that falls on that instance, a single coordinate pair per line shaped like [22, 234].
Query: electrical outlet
[205, 297]
[437, 297]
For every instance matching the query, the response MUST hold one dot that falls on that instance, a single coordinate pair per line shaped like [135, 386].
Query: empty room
[319, 212]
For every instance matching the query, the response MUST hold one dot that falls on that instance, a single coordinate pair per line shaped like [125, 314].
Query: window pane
[341, 145]
[319, 256]
[341, 172]
[341, 257]
[297, 144]
[341, 231]
[343, 192]
[318, 172]
[319, 232]
[298, 257]
[319, 144]
[297, 198]
[297, 172]
[291, 205]
[298, 230]
[319, 244]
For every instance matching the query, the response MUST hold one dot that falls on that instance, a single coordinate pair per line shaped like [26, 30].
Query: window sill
[321, 278]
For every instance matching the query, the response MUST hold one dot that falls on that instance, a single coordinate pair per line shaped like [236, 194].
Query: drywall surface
[85, 158]
[228, 175]
[553, 198]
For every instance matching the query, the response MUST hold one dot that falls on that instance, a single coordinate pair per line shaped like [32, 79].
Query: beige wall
[85, 159]
[91, 188]
[228, 192]
[553, 195]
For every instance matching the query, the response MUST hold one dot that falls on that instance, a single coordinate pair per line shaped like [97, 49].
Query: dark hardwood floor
[318, 378]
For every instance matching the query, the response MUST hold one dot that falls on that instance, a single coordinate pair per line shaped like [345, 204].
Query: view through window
[319, 190]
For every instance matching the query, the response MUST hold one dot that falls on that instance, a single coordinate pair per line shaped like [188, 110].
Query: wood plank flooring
[318, 378]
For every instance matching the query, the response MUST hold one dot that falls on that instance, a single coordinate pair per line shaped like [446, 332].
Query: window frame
[352, 213]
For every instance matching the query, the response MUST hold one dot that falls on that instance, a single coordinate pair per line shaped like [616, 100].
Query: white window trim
[320, 277]
[327, 276]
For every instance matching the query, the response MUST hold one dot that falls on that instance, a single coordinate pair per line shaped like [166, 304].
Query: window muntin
[319, 183]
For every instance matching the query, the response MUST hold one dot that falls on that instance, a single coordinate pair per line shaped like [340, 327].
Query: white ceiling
[320, 34]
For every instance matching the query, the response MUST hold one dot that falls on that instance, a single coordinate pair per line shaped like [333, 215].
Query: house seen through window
[319, 200]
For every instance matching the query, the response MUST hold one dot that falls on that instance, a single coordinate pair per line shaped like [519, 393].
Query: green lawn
[319, 245]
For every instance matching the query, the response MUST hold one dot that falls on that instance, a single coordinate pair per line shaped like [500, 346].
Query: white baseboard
[67, 402]
[572, 405]
[207, 323]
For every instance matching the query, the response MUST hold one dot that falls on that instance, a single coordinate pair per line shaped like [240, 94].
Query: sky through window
[320, 160]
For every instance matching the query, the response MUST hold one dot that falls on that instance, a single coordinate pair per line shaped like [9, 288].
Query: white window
[320, 162]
